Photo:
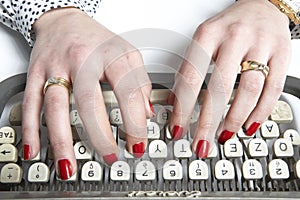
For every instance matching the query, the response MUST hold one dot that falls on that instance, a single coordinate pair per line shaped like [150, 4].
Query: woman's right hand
[71, 45]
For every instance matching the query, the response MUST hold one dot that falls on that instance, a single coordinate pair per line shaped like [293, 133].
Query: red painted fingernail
[253, 128]
[151, 107]
[26, 151]
[177, 132]
[110, 159]
[225, 135]
[202, 149]
[138, 149]
[65, 169]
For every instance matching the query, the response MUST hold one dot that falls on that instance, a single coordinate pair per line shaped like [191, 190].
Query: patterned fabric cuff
[29, 11]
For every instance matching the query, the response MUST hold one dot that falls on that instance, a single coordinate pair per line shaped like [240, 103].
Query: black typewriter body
[241, 169]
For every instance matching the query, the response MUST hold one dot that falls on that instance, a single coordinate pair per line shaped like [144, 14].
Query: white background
[177, 16]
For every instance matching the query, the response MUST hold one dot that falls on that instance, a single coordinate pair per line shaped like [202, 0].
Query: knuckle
[235, 122]
[223, 87]
[59, 146]
[36, 68]
[85, 99]
[206, 125]
[192, 78]
[133, 99]
[235, 30]
[77, 51]
[206, 29]
[277, 86]
[54, 103]
[253, 85]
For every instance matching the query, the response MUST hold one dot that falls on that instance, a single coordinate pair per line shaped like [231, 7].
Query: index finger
[188, 82]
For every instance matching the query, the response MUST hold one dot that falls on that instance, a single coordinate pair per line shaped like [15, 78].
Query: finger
[92, 110]
[247, 95]
[56, 109]
[272, 89]
[136, 63]
[31, 108]
[218, 93]
[186, 88]
[128, 91]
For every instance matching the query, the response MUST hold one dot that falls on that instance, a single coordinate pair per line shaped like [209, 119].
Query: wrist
[54, 16]
[291, 8]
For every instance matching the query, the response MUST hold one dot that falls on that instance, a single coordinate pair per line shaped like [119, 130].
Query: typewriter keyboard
[269, 161]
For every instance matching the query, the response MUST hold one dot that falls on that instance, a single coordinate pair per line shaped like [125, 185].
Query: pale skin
[247, 30]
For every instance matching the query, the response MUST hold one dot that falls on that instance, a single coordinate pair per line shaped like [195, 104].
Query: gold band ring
[253, 65]
[57, 81]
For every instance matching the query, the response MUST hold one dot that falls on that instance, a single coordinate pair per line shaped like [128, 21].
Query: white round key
[145, 171]
[115, 116]
[75, 118]
[11, 173]
[278, 169]
[7, 135]
[198, 170]
[252, 170]
[172, 170]
[153, 130]
[283, 148]
[91, 171]
[163, 116]
[82, 151]
[233, 148]
[8, 153]
[120, 171]
[158, 149]
[38, 172]
[269, 129]
[292, 135]
[182, 149]
[258, 147]
[224, 170]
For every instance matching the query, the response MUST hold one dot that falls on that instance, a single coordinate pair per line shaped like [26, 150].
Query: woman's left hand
[248, 30]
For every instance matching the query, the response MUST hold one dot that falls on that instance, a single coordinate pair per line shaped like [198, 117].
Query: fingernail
[202, 149]
[26, 151]
[65, 169]
[151, 107]
[138, 149]
[177, 132]
[253, 128]
[225, 135]
[110, 159]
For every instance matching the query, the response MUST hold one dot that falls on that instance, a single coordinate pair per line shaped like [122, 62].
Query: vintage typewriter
[266, 165]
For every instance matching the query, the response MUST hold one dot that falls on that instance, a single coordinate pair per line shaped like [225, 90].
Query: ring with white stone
[253, 65]
[57, 81]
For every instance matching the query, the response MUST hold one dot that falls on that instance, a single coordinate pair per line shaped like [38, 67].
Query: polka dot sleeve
[296, 32]
[21, 14]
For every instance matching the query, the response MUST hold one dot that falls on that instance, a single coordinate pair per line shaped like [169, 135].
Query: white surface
[173, 22]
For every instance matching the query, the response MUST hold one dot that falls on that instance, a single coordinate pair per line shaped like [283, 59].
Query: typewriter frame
[16, 84]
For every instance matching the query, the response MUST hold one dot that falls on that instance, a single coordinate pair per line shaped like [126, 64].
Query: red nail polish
[151, 107]
[225, 135]
[110, 159]
[138, 149]
[202, 149]
[26, 151]
[65, 169]
[253, 128]
[177, 132]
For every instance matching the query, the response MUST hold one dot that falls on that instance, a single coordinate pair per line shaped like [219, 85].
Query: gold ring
[57, 81]
[253, 65]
